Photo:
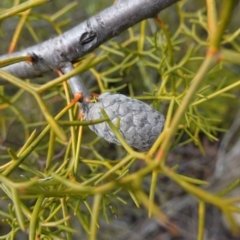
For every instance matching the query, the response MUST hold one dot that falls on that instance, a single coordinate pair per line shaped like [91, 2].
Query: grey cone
[139, 124]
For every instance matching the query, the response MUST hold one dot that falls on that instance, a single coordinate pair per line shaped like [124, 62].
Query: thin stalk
[66, 217]
[205, 67]
[217, 93]
[18, 30]
[94, 219]
[34, 144]
[227, 9]
[201, 220]
[35, 218]
[78, 149]
[212, 19]
[20, 8]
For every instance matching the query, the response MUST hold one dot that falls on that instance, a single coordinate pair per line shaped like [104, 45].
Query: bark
[67, 48]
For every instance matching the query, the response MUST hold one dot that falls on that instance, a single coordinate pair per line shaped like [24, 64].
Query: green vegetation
[53, 169]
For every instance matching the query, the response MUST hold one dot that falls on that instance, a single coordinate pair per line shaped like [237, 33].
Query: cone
[140, 125]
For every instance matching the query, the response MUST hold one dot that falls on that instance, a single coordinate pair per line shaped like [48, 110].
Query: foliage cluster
[53, 169]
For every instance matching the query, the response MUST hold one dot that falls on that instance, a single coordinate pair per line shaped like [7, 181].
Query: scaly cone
[140, 125]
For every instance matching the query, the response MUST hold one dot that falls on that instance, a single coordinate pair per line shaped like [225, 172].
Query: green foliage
[56, 169]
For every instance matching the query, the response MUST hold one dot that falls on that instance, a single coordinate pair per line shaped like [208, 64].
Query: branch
[85, 37]
[76, 84]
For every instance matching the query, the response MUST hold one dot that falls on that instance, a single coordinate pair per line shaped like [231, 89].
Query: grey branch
[139, 124]
[85, 37]
[76, 83]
